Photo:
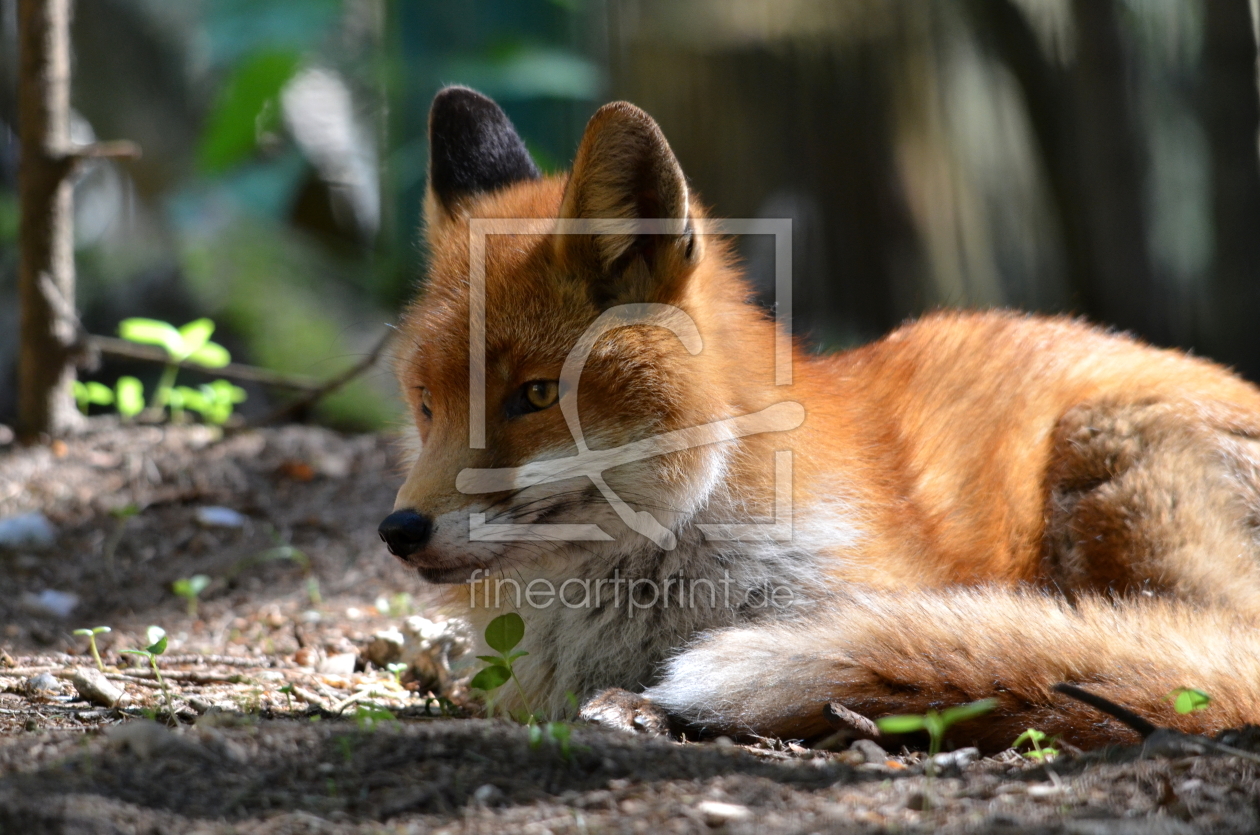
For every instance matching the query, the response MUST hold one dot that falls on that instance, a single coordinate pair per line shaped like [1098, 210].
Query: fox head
[544, 341]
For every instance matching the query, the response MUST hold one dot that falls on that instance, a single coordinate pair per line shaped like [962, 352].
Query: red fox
[978, 505]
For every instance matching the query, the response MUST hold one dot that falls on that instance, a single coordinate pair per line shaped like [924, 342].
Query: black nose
[405, 532]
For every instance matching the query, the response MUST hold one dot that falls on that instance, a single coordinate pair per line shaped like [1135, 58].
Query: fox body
[979, 504]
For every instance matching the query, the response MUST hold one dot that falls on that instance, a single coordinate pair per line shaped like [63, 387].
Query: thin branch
[234, 371]
[290, 411]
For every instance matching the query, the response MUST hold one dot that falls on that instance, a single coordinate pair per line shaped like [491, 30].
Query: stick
[235, 371]
[288, 412]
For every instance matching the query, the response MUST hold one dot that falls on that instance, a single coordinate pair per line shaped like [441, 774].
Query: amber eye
[542, 394]
[426, 402]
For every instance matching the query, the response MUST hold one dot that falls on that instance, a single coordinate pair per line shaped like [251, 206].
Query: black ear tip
[456, 101]
[473, 146]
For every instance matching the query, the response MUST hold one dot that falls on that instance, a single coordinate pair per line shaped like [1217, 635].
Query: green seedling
[935, 723]
[396, 670]
[1035, 738]
[156, 636]
[369, 717]
[1188, 699]
[92, 393]
[190, 588]
[502, 635]
[445, 707]
[213, 401]
[287, 690]
[190, 343]
[129, 397]
[557, 733]
[91, 636]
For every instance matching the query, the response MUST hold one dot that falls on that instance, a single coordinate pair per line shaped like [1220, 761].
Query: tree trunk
[46, 236]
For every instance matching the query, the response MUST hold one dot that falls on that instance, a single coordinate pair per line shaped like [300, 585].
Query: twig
[236, 371]
[309, 697]
[1155, 739]
[1117, 712]
[190, 676]
[220, 660]
[287, 412]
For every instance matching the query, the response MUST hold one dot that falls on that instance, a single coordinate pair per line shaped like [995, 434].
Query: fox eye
[426, 402]
[534, 396]
[542, 394]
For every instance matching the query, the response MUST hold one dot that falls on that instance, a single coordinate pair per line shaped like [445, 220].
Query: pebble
[42, 687]
[341, 664]
[870, 750]
[717, 813]
[213, 516]
[59, 604]
[27, 530]
[97, 689]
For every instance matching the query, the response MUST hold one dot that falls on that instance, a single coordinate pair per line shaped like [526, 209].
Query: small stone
[870, 751]
[717, 813]
[341, 664]
[59, 604]
[42, 687]
[961, 758]
[488, 795]
[27, 530]
[97, 689]
[220, 517]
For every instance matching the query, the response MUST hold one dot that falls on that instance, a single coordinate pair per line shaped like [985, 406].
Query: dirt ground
[285, 723]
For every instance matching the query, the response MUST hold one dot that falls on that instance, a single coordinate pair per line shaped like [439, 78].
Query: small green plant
[935, 722]
[1036, 738]
[502, 635]
[213, 401]
[92, 393]
[369, 717]
[156, 637]
[91, 636]
[557, 733]
[1188, 699]
[129, 397]
[396, 670]
[287, 690]
[190, 343]
[190, 588]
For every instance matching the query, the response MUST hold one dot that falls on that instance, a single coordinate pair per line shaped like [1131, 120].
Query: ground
[283, 724]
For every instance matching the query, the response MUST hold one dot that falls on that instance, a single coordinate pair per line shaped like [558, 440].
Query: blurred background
[1095, 157]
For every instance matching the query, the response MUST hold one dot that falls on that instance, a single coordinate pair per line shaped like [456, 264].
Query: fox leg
[882, 653]
[1155, 499]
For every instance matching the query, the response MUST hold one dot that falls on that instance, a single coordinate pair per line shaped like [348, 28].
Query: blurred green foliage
[245, 108]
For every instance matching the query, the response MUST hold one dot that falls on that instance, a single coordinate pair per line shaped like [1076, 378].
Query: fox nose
[405, 532]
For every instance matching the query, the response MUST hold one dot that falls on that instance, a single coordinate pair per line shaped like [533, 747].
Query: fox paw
[626, 711]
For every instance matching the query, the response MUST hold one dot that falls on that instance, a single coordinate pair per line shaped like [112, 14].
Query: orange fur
[1016, 500]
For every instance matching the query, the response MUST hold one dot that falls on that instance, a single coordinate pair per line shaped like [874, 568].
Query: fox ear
[625, 170]
[473, 148]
